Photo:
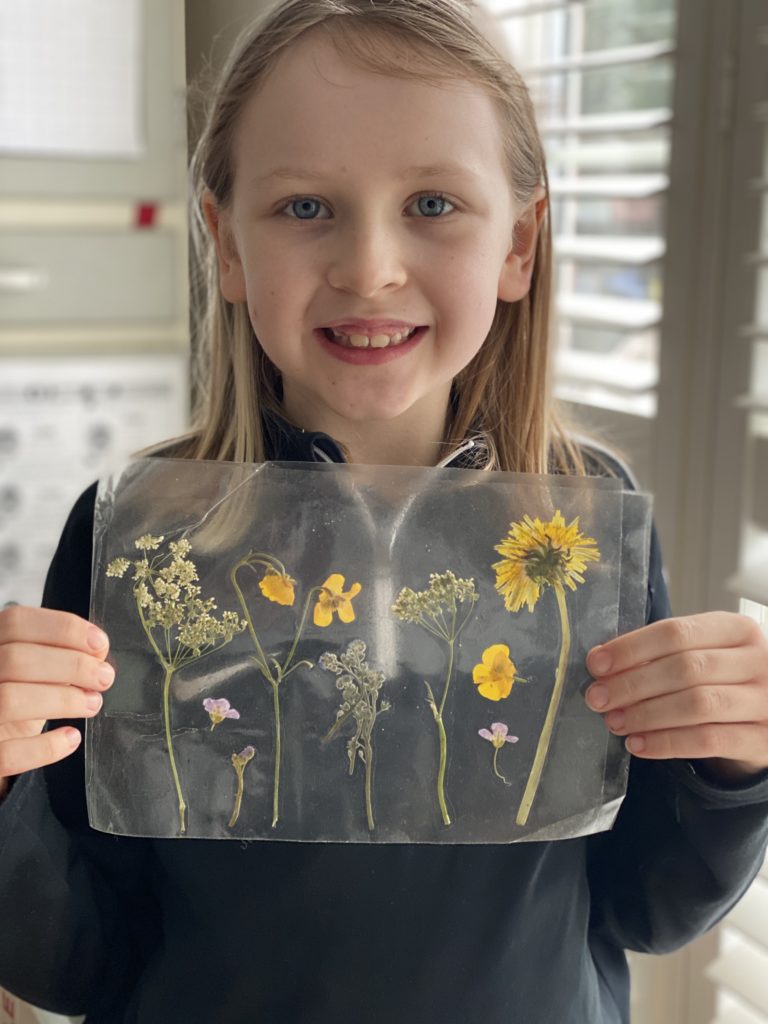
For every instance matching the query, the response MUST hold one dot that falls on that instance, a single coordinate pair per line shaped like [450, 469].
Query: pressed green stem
[169, 741]
[276, 783]
[496, 771]
[337, 725]
[256, 642]
[238, 800]
[441, 772]
[368, 778]
[299, 629]
[438, 713]
[554, 703]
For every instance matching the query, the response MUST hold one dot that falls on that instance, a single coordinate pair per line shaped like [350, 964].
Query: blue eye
[433, 204]
[305, 206]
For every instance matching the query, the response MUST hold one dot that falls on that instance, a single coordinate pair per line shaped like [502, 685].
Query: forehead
[317, 106]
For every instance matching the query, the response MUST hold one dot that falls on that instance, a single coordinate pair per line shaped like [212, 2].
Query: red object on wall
[146, 214]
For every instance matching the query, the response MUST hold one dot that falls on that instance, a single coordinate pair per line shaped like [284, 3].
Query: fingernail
[635, 744]
[96, 638]
[600, 663]
[615, 720]
[93, 701]
[106, 674]
[72, 736]
[597, 696]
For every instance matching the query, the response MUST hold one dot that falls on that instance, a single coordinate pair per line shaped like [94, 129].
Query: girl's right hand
[51, 666]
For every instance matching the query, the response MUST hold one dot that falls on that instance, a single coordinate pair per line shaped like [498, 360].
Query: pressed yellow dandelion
[537, 555]
[496, 673]
[540, 554]
[278, 587]
[333, 598]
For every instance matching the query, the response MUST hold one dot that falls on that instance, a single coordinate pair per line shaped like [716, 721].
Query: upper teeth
[377, 341]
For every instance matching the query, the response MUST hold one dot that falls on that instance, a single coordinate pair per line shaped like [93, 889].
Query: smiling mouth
[363, 341]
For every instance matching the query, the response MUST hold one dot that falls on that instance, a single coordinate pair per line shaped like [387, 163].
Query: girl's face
[372, 205]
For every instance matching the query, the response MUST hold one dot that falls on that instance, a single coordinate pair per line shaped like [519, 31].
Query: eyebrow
[452, 170]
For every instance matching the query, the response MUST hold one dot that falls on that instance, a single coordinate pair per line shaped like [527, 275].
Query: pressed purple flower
[218, 709]
[497, 735]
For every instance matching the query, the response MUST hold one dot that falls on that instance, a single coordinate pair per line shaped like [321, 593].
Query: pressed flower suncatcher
[319, 581]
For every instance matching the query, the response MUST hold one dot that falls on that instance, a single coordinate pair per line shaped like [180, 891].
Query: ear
[515, 277]
[231, 276]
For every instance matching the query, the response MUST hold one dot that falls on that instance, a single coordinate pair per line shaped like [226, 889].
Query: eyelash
[311, 220]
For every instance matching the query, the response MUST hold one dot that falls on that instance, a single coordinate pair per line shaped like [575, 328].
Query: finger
[669, 636]
[35, 663]
[21, 702]
[23, 624]
[700, 706]
[17, 756]
[675, 672]
[745, 741]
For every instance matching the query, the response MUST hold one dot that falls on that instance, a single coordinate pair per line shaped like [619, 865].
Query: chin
[373, 411]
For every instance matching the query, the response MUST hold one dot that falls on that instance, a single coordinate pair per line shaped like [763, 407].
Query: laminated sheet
[348, 653]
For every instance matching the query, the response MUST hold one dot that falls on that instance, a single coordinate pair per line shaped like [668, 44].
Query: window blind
[740, 970]
[751, 580]
[654, 116]
[600, 74]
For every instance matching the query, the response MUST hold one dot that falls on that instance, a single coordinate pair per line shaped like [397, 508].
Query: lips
[368, 355]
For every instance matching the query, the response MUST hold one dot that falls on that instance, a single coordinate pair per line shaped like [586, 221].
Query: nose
[366, 259]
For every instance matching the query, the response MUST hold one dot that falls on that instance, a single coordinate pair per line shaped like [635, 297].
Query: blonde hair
[503, 397]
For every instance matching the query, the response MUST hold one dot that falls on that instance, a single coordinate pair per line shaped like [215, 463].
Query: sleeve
[78, 920]
[682, 851]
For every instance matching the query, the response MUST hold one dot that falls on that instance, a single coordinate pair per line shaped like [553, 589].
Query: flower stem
[276, 784]
[441, 773]
[169, 742]
[444, 739]
[299, 630]
[554, 703]
[496, 771]
[368, 777]
[238, 800]
[249, 620]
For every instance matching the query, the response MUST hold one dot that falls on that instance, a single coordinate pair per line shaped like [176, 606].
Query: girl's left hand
[689, 687]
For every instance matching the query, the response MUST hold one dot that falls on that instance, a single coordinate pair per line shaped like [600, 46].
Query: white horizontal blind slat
[755, 332]
[741, 968]
[634, 186]
[625, 121]
[619, 57]
[734, 1011]
[750, 916]
[637, 314]
[507, 9]
[610, 249]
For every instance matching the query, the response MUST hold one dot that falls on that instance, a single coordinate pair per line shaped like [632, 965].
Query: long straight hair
[503, 397]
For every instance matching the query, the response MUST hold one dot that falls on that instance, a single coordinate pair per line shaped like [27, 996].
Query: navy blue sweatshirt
[163, 931]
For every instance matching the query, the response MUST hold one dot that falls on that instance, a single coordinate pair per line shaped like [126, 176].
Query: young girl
[374, 188]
